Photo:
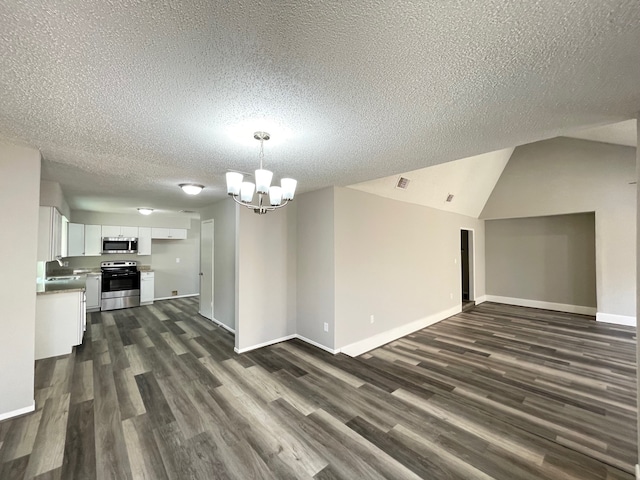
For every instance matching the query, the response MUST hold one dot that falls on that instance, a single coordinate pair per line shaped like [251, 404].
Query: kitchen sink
[66, 277]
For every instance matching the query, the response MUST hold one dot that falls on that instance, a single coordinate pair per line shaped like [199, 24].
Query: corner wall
[265, 277]
[19, 198]
[224, 239]
[399, 262]
[564, 175]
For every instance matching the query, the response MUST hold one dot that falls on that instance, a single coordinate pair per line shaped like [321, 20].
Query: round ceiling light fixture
[145, 211]
[191, 188]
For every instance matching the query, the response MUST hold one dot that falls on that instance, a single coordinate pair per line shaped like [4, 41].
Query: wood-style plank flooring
[498, 392]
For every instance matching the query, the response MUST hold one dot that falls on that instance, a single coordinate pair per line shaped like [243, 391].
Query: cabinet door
[110, 231]
[76, 240]
[144, 241]
[64, 236]
[93, 291]
[129, 232]
[146, 289]
[178, 233]
[160, 233]
[92, 240]
[45, 234]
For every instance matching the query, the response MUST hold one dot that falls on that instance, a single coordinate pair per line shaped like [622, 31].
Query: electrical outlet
[326, 327]
[174, 292]
[372, 319]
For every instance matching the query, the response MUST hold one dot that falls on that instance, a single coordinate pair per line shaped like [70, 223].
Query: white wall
[562, 176]
[19, 203]
[51, 196]
[224, 258]
[316, 267]
[399, 262]
[265, 265]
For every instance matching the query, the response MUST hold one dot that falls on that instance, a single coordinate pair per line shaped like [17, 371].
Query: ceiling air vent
[402, 183]
[449, 197]
[187, 211]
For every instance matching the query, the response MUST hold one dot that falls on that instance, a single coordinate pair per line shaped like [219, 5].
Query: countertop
[76, 284]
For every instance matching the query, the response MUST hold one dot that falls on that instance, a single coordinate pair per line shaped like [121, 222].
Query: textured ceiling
[469, 180]
[126, 99]
[621, 133]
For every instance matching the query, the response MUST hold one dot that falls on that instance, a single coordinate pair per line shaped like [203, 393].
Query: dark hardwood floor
[496, 392]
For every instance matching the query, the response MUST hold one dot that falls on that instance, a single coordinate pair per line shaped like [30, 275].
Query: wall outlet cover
[174, 292]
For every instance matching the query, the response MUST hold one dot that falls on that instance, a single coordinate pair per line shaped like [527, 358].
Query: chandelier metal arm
[260, 208]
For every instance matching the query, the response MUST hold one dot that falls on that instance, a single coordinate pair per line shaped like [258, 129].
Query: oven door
[120, 290]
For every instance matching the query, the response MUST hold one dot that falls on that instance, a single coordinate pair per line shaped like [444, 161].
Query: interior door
[206, 269]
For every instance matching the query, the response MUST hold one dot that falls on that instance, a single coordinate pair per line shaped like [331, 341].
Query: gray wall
[51, 196]
[550, 259]
[316, 267]
[397, 261]
[224, 241]
[265, 276]
[19, 199]
[564, 175]
[169, 275]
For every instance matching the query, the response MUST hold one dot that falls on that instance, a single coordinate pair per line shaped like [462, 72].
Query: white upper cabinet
[117, 231]
[76, 240]
[169, 233]
[92, 240]
[144, 241]
[52, 234]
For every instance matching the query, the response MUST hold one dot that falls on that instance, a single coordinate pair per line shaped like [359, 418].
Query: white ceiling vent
[450, 197]
[402, 183]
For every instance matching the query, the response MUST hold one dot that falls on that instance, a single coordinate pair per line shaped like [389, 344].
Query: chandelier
[279, 196]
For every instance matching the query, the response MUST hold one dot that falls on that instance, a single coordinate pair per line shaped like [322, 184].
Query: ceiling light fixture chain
[279, 196]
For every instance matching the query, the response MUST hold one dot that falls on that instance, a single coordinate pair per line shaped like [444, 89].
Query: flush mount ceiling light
[145, 211]
[191, 188]
[279, 196]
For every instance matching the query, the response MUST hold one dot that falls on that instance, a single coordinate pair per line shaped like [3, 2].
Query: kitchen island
[60, 315]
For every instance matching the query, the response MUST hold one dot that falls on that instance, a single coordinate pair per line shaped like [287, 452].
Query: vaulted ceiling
[128, 99]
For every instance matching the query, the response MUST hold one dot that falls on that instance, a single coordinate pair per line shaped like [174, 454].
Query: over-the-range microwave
[119, 245]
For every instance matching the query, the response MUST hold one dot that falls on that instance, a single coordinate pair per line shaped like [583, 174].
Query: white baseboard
[557, 307]
[177, 296]
[637, 472]
[264, 344]
[219, 323]
[362, 346]
[481, 299]
[20, 411]
[316, 344]
[617, 319]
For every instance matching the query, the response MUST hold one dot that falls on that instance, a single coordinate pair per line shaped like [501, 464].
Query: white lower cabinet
[94, 291]
[60, 323]
[147, 286]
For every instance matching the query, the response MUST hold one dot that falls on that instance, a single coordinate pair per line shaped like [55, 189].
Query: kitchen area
[94, 267]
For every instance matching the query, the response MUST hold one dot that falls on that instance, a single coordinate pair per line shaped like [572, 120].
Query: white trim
[316, 344]
[617, 319]
[558, 307]
[177, 296]
[219, 323]
[20, 411]
[362, 346]
[637, 472]
[481, 299]
[264, 344]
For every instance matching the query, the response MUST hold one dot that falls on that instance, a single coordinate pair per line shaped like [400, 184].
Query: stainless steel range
[120, 285]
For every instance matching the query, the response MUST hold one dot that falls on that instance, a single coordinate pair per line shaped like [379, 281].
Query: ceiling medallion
[279, 196]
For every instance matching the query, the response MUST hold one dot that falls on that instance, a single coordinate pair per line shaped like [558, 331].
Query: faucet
[59, 260]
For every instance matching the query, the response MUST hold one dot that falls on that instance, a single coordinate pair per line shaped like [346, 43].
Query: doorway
[466, 267]
[206, 269]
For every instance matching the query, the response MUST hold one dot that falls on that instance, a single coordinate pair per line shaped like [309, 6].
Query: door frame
[472, 263]
[202, 226]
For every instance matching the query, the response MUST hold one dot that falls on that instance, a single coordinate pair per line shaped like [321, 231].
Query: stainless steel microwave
[119, 245]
